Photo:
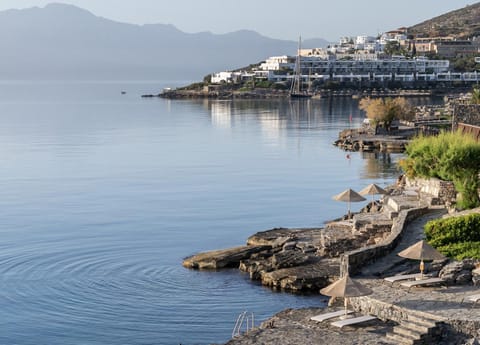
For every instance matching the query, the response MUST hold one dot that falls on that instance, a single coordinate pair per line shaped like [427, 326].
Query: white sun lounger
[353, 321]
[472, 298]
[422, 282]
[326, 316]
[401, 277]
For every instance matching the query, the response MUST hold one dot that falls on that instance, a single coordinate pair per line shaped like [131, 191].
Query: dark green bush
[442, 232]
[263, 84]
[460, 251]
[457, 237]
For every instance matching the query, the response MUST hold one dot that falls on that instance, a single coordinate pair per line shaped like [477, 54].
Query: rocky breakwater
[300, 259]
[363, 139]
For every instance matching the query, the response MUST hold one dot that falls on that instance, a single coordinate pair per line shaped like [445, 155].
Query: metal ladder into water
[245, 321]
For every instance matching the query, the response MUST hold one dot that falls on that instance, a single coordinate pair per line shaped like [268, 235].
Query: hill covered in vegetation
[463, 23]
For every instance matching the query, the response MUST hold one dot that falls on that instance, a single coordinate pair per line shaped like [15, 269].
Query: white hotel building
[359, 59]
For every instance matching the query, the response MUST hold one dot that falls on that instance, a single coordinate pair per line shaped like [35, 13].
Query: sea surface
[102, 194]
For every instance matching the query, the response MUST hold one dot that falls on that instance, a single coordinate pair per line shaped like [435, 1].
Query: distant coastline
[225, 92]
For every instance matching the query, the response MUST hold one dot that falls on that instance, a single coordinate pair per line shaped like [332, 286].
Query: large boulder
[458, 272]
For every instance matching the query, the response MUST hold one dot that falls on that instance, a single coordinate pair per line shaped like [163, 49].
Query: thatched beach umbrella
[372, 189]
[346, 287]
[349, 196]
[421, 251]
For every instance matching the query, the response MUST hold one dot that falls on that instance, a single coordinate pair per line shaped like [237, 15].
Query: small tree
[207, 79]
[393, 48]
[386, 110]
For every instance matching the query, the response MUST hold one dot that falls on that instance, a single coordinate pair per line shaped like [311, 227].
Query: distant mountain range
[462, 23]
[65, 42]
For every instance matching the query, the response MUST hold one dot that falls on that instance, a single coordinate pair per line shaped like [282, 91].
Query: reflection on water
[280, 118]
[295, 112]
[380, 164]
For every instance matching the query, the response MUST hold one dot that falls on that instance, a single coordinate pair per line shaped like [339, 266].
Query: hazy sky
[284, 19]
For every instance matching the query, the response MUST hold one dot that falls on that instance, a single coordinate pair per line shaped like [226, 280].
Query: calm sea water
[103, 194]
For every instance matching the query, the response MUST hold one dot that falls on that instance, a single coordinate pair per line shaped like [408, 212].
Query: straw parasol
[346, 287]
[349, 196]
[372, 189]
[421, 251]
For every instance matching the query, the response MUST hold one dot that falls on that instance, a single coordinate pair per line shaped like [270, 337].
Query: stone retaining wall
[386, 311]
[466, 113]
[355, 259]
[464, 326]
[443, 190]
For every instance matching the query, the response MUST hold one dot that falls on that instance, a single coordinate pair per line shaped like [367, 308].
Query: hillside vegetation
[463, 23]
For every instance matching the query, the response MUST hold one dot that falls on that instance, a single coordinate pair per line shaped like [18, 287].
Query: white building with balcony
[276, 63]
[226, 77]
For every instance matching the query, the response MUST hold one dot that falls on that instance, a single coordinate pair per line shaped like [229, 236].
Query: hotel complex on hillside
[365, 59]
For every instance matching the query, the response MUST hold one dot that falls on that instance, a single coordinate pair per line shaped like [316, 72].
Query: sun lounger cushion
[353, 321]
[422, 282]
[394, 279]
[474, 298]
[326, 316]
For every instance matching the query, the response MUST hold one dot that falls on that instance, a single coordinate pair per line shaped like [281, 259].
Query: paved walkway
[391, 264]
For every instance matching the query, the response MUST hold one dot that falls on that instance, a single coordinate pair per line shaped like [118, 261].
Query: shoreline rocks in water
[301, 259]
[306, 259]
[235, 91]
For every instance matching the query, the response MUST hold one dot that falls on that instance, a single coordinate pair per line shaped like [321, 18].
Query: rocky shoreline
[307, 259]
[428, 121]
[365, 245]
[225, 92]
[450, 320]
[302, 259]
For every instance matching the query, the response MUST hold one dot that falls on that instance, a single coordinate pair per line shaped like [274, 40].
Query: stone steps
[421, 320]
[399, 339]
[415, 330]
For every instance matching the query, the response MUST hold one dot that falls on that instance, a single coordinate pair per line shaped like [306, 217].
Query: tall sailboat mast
[296, 88]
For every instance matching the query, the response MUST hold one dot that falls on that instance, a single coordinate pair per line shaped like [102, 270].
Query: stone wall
[355, 259]
[444, 191]
[466, 113]
[386, 311]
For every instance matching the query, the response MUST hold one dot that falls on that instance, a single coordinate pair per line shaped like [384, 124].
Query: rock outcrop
[222, 258]
[303, 259]
[458, 272]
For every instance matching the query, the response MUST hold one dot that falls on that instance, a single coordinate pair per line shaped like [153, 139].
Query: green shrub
[263, 84]
[455, 237]
[449, 156]
[460, 251]
[443, 232]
